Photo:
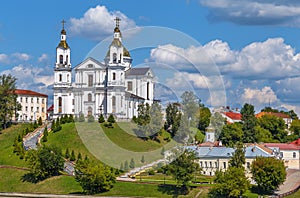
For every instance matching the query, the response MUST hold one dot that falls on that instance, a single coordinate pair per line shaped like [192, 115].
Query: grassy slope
[7, 136]
[123, 132]
[68, 138]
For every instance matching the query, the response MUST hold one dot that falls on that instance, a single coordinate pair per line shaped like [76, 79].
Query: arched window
[114, 58]
[113, 102]
[59, 105]
[67, 77]
[60, 77]
[67, 59]
[61, 59]
[90, 97]
[114, 76]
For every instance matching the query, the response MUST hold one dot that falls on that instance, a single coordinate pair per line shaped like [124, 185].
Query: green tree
[40, 121]
[126, 166]
[249, 123]
[45, 134]
[268, 173]
[190, 105]
[217, 121]
[45, 162]
[8, 99]
[72, 157]
[94, 177]
[263, 135]
[231, 183]
[81, 117]
[132, 164]
[204, 118]
[231, 134]
[183, 134]
[183, 168]
[293, 115]
[295, 127]
[238, 159]
[111, 119]
[79, 157]
[53, 125]
[101, 118]
[143, 159]
[173, 117]
[67, 154]
[275, 125]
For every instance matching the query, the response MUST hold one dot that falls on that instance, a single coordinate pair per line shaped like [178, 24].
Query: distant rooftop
[29, 93]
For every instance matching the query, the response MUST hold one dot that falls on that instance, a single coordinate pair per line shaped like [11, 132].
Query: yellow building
[34, 106]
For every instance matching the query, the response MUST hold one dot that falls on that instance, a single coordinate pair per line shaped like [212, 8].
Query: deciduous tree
[249, 123]
[268, 173]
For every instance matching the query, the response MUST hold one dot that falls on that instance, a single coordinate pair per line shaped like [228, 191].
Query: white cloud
[32, 78]
[255, 12]
[98, 23]
[259, 97]
[20, 56]
[4, 58]
[43, 57]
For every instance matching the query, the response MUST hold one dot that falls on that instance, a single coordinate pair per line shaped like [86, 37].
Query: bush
[101, 118]
[40, 122]
[108, 125]
[91, 118]
[134, 119]
[111, 119]
[151, 172]
[81, 117]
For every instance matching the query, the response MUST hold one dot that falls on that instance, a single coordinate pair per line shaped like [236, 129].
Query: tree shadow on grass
[172, 190]
[30, 177]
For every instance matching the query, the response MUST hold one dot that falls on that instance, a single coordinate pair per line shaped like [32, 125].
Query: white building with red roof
[34, 105]
[289, 152]
[232, 117]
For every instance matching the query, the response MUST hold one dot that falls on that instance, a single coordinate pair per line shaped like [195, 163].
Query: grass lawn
[68, 138]
[122, 134]
[7, 136]
[295, 195]
[11, 181]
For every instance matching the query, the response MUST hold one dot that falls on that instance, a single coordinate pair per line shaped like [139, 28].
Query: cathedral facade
[112, 86]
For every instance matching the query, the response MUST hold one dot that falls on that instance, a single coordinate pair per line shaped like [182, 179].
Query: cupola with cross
[62, 70]
[117, 54]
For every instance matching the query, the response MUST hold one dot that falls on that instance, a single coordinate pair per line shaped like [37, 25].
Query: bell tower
[63, 95]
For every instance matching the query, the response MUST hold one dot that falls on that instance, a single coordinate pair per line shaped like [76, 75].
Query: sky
[228, 52]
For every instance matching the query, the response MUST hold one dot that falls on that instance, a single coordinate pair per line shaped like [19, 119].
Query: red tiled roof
[233, 116]
[51, 108]
[29, 93]
[283, 146]
[280, 115]
[296, 142]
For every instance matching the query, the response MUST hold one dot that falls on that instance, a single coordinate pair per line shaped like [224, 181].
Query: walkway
[292, 182]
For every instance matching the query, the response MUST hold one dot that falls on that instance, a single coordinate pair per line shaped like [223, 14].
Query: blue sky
[254, 44]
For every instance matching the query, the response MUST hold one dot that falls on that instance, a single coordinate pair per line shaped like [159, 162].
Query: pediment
[90, 64]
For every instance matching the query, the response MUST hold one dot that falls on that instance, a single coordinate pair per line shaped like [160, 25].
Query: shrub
[101, 118]
[111, 119]
[81, 117]
[91, 118]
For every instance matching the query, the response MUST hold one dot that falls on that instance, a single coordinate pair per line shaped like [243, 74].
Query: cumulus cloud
[271, 59]
[14, 58]
[98, 23]
[254, 12]
[43, 57]
[32, 78]
[259, 97]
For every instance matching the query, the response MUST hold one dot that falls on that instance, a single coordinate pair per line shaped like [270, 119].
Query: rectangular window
[60, 77]
[31, 100]
[37, 100]
[205, 164]
[21, 99]
[129, 86]
[43, 101]
[26, 100]
[31, 109]
[216, 164]
[73, 101]
[90, 80]
[200, 164]
[224, 165]
[294, 154]
[43, 109]
[26, 108]
[37, 108]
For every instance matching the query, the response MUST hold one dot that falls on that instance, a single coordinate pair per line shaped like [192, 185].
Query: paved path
[292, 182]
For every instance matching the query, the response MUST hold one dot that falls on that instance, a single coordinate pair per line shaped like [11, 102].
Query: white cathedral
[108, 87]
